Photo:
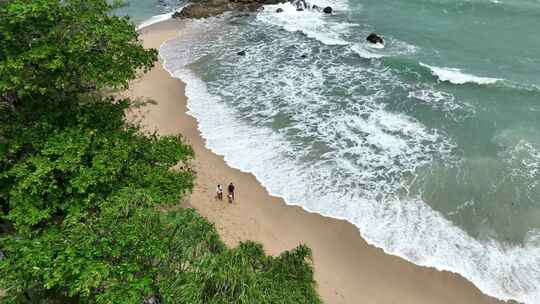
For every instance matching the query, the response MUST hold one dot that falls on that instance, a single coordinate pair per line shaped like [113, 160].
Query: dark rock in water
[241, 53]
[301, 5]
[327, 10]
[315, 7]
[374, 38]
[279, 10]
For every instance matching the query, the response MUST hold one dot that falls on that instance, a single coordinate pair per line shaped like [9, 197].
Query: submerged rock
[327, 10]
[241, 53]
[374, 38]
[279, 10]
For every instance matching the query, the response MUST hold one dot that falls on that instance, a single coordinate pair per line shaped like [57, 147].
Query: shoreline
[347, 269]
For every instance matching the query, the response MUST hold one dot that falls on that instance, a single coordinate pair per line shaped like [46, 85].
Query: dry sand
[347, 269]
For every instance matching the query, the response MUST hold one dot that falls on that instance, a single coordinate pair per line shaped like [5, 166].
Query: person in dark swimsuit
[231, 192]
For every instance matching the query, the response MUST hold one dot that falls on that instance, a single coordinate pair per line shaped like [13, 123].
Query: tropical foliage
[84, 193]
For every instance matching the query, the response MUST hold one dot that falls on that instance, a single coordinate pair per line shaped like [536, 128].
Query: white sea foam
[154, 20]
[344, 162]
[462, 207]
[391, 48]
[376, 46]
[363, 51]
[312, 23]
[456, 76]
[521, 152]
[330, 31]
[445, 102]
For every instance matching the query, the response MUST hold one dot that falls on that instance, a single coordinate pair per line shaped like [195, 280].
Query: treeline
[83, 191]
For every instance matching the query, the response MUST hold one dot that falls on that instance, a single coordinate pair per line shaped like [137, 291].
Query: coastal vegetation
[88, 199]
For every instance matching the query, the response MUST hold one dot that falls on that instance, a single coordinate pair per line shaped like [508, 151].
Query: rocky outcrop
[374, 38]
[208, 8]
[300, 5]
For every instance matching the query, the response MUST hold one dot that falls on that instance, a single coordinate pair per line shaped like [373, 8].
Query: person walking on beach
[219, 192]
[231, 192]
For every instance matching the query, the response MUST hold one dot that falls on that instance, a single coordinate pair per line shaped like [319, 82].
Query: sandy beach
[347, 269]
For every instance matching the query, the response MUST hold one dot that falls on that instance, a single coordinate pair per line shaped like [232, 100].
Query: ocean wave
[456, 76]
[352, 163]
[329, 30]
[154, 20]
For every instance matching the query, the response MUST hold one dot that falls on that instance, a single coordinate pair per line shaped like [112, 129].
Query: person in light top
[219, 192]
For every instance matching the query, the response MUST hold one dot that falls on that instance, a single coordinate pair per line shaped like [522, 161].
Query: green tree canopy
[60, 47]
[88, 200]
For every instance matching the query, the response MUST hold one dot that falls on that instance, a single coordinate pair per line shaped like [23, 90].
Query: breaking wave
[456, 76]
[154, 20]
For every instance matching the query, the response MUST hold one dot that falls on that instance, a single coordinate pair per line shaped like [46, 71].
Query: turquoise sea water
[430, 145]
[142, 10]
